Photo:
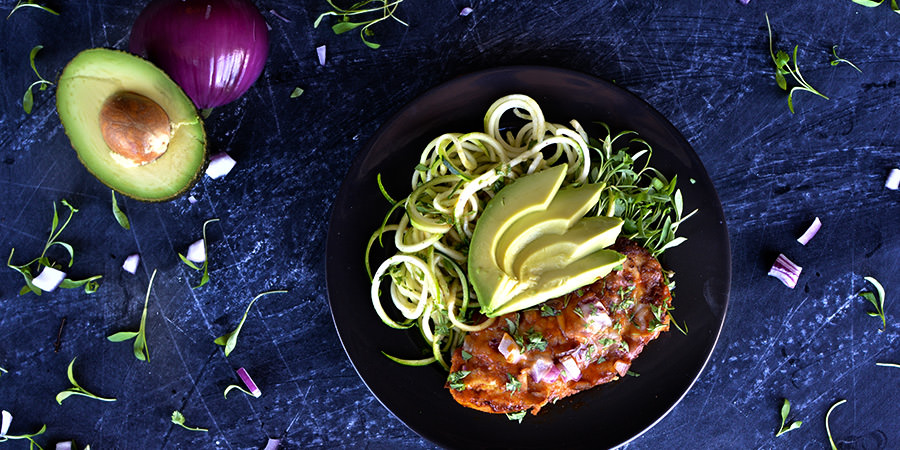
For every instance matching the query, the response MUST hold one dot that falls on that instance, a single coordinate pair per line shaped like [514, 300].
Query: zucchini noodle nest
[457, 175]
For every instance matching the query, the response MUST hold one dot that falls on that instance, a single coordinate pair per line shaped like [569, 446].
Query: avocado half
[100, 77]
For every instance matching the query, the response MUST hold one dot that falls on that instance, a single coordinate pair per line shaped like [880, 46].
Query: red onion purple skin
[214, 49]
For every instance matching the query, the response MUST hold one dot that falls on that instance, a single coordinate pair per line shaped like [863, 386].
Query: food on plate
[132, 127]
[577, 341]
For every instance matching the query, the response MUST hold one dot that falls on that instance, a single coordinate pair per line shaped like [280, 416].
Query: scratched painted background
[703, 64]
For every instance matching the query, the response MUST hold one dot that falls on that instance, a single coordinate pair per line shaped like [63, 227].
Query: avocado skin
[178, 92]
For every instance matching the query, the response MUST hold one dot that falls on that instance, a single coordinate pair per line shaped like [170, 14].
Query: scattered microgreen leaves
[234, 386]
[76, 389]
[30, 3]
[873, 3]
[454, 379]
[512, 384]
[465, 356]
[888, 365]
[535, 341]
[28, 437]
[205, 268]
[632, 374]
[298, 91]
[42, 83]
[140, 337]
[120, 216]
[877, 300]
[828, 427]
[517, 416]
[28, 272]
[229, 340]
[837, 60]
[548, 311]
[672, 320]
[178, 419]
[782, 67]
[785, 410]
[379, 11]
[2, 370]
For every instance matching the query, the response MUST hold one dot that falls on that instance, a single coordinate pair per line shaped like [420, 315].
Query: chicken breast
[566, 345]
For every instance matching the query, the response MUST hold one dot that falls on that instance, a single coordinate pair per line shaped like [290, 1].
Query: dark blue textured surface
[704, 65]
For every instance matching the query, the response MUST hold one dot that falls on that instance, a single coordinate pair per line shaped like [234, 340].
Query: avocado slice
[525, 195]
[132, 127]
[555, 251]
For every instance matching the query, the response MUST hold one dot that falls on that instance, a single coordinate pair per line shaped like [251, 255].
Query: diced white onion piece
[465, 11]
[552, 374]
[786, 271]
[192, 199]
[621, 367]
[509, 349]
[893, 180]
[569, 370]
[810, 232]
[67, 445]
[251, 386]
[7, 420]
[320, 51]
[272, 444]
[219, 165]
[49, 279]
[196, 252]
[131, 263]
[540, 368]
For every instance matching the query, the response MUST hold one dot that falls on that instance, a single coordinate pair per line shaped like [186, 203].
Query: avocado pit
[136, 129]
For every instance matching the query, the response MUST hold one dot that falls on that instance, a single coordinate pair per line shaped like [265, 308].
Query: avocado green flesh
[587, 236]
[88, 81]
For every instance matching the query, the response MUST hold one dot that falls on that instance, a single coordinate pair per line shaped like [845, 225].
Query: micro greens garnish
[633, 374]
[873, 3]
[512, 384]
[455, 379]
[877, 299]
[837, 60]
[234, 386]
[120, 216]
[548, 311]
[517, 416]
[229, 340]
[31, 3]
[383, 12]
[140, 337]
[298, 91]
[205, 268]
[888, 365]
[465, 356]
[828, 427]
[782, 66]
[178, 419]
[2, 370]
[90, 284]
[785, 410]
[535, 341]
[76, 389]
[28, 99]
[27, 437]
[672, 320]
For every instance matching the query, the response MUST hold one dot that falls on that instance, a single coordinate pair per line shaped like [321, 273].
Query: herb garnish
[3, 370]
[785, 410]
[205, 278]
[535, 341]
[837, 60]
[672, 320]
[178, 419]
[90, 284]
[120, 216]
[877, 299]
[27, 437]
[229, 340]
[512, 384]
[28, 98]
[140, 337]
[466, 355]
[518, 416]
[234, 386]
[782, 67]
[828, 427]
[31, 3]
[455, 379]
[298, 91]
[344, 24]
[548, 311]
[76, 389]
[874, 3]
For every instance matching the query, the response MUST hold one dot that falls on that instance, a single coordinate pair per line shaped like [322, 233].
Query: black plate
[605, 416]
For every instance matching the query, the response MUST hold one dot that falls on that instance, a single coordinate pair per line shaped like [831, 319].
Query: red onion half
[214, 49]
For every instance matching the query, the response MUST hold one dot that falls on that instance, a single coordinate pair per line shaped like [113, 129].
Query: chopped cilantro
[548, 311]
[455, 379]
[518, 416]
[512, 384]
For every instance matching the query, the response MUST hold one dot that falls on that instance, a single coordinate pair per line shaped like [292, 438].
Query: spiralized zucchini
[456, 176]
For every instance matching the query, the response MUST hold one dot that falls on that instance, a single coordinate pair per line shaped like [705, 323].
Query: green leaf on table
[298, 91]
[383, 10]
[178, 419]
[785, 410]
[76, 389]
[783, 67]
[119, 215]
[205, 267]
[876, 299]
[140, 337]
[42, 83]
[234, 386]
[30, 3]
[828, 426]
[229, 340]
[837, 60]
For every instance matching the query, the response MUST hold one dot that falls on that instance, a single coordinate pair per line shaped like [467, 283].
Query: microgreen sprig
[90, 284]
[512, 384]
[873, 3]
[140, 337]
[178, 419]
[76, 389]
[785, 410]
[229, 340]
[119, 215]
[837, 60]
[234, 386]
[42, 83]
[2, 370]
[672, 320]
[31, 3]
[888, 365]
[782, 67]
[205, 268]
[877, 300]
[828, 427]
[344, 24]
[517, 416]
[298, 91]
[29, 437]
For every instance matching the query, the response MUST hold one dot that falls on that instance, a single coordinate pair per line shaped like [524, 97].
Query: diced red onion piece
[7, 420]
[196, 252]
[320, 51]
[810, 232]
[552, 374]
[131, 263]
[465, 11]
[569, 370]
[251, 386]
[48, 279]
[272, 444]
[621, 367]
[509, 349]
[893, 180]
[540, 368]
[220, 165]
[192, 199]
[67, 445]
[786, 271]
[746, 2]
